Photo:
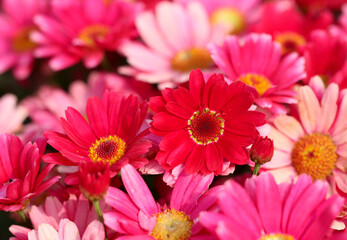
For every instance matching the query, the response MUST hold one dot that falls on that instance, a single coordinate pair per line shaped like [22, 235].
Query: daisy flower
[265, 211]
[137, 216]
[83, 30]
[207, 127]
[20, 179]
[110, 135]
[175, 42]
[315, 143]
[256, 61]
[16, 47]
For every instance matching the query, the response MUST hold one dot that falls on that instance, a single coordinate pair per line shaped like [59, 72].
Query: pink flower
[315, 143]
[234, 15]
[270, 77]
[83, 30]
[20, 179]
[12, 115]
[175, 40]
[137, 215]
[16, 48]
[263, 210]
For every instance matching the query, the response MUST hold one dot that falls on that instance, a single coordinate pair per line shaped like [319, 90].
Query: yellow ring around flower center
[259, 82]
[277, 236]
[187, 60]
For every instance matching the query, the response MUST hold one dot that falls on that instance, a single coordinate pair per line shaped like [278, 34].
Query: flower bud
[262, 150]
[94, 179]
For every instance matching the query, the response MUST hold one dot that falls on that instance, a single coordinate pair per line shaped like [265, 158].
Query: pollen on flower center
[315, 155]
[93, 32]
[259, 82]
[290, 41]
[231, 18]
[277, 236]
[22, 42]
[205, 126]
[187, 60]
[172, 225]
[107, 149]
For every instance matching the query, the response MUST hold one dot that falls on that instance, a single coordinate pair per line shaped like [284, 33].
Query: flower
[110, 135]
[16, 47]
[315, 143]
[262, 150]
[137, 214]
[269, 76]
[83, 30]
[12, 115]
[207, 127]
[175, 42]
[20, 179]
[263, 210]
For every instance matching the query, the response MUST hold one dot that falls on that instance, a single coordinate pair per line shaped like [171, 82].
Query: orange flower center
[21, 41]
[259, 82]
[277, 237]
[205, 126]
[187, 60]
[315, 155]
[290, 41]
[231, 18]
[107, 149]
[172, 225]
[93, 33]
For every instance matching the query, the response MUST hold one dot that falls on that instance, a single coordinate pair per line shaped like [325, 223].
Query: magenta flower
[20, 179]
[265, 211]
[137, 215]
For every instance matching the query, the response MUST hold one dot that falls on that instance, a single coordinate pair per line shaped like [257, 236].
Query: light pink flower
[12, 115]
[137, 216]
[263, 210]
[315, 142]
[175, 40]
[256, 61]
[16, 48]
[83, 30]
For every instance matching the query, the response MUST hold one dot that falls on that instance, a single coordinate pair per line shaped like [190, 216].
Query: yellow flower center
[107, 149]
[21, 41]
[315, 155]
[92, 33]
[290, 41]
[187, 60]
[259, 82]
[230, 18]
[277, 237]
[172, 225]
[205, 126]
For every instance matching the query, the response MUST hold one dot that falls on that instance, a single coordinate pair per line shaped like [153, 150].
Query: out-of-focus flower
[208, 127]
[262, 150]
[176, 39]
[16, 47]
[111, 134]
[317, 5]
[20, 179]
[83, 30]
[12, 115]
[137, 215]
[316, 143]
[265, 211]
[94, 179]
[234, 15]
[270, 77]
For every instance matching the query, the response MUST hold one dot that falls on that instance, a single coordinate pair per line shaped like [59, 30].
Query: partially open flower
[262, 150]
[94, 179]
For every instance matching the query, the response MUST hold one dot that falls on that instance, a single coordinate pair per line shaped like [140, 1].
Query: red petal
[214, 159]
[184, 98]
[233, 152]
[157, 104]
[195, 160]
[97, 117]
[178, 110]
[196, 84]
[165, 121]
[215, 78]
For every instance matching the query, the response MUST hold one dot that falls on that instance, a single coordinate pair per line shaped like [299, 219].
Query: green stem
[23, 217]
[98, 211]
[256, 169]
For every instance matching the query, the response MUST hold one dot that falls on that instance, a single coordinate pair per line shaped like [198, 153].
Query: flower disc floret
[187, 60]
[277, 237]
[93, 32]
[107, 149]
[259, 82]
[315, 155]
[172, 225]
[231, 18]
[290, 41]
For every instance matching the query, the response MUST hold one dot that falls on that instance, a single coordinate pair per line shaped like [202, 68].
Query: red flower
[208, 128]
[20, 179]
[110, 135]
[262, 150]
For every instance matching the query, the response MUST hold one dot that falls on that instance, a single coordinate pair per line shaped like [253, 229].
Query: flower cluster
[173, 119]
